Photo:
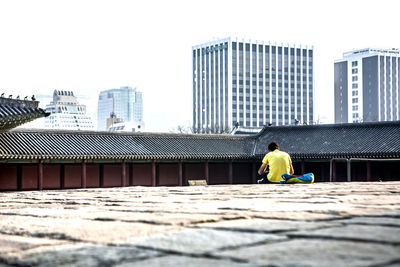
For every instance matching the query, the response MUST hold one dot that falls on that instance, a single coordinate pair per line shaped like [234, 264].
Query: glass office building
[125, 102]
[251, 84]
[367, 86]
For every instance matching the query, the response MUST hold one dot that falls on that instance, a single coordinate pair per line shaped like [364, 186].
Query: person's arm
[291, 166]
[262, 168]
[291, 169]
[264, 165]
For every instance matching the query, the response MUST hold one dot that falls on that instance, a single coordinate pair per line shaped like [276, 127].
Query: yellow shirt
[279, 163]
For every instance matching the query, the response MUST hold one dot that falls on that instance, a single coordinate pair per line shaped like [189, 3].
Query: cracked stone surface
[348, 224]
[195, 241]
[184, 261]
[316, 252]
[80, 255]
[378, 234]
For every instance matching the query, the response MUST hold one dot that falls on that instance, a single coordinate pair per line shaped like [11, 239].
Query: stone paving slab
[269, 226]
[382, 221]
[348, 224]
[362, 233]
[185, 261]
[15, 243]
[80, 254]
[95, 231]
[305, 252]
[200, 241]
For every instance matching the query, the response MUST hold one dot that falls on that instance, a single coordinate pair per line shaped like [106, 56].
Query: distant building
[367, 84]
[66, 113]
[115, 124]
[122, 126]
[125, 103]
[112, 120]
[250, 84]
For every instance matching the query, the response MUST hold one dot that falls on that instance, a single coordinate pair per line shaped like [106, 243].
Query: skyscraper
[367, 86]
[125, 102]
[251, 84]
[67, 113]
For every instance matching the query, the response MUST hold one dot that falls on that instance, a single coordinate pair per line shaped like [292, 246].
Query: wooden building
[48, 159]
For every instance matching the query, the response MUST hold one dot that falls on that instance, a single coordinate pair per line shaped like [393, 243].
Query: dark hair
[273, 146]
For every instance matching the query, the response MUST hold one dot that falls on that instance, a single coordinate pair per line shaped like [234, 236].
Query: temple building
[60, 159]
[37, 159]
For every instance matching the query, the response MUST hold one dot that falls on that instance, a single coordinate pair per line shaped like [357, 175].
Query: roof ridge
[331, 125]
[133, 134]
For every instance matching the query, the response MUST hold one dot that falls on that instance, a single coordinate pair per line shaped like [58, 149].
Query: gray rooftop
[366, 140]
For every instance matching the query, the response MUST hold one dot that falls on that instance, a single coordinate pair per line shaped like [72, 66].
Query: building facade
[367, 86]
[66, 113]
[250, 84]
[125, 103]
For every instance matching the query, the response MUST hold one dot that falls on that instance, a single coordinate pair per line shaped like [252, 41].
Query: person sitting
[279, 162]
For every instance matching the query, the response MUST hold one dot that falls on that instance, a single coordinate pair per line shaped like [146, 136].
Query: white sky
[88, 46]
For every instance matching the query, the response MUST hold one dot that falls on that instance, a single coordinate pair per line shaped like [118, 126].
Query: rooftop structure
[53, 159]
[14, 112]
[368, 140]
[126, 126]
[371, 51]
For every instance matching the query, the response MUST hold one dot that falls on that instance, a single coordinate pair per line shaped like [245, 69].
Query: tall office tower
[67, 113]
[251, 84]
[367, 86]
[125, 103]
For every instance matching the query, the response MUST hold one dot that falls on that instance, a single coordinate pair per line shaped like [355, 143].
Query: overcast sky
[89, 46]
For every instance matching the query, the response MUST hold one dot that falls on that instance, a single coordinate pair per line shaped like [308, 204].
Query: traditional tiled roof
[350, 140]
[360, 140]
[14, 112]
[45, 144]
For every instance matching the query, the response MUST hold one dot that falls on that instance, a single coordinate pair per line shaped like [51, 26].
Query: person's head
[273, 146]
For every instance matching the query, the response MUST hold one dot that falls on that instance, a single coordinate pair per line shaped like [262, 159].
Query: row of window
[273, 49]
[354, 92]
[68, 125]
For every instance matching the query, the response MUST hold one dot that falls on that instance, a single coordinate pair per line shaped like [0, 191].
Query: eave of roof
[14, 112]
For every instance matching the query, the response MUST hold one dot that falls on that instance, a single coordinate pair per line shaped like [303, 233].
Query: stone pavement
[322, 224]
